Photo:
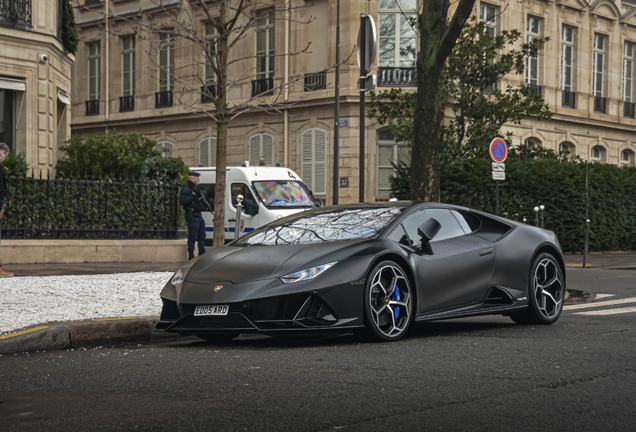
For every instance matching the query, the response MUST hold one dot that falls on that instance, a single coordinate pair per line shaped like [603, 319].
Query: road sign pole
[336, 131]
[362, 50]
[497, 197]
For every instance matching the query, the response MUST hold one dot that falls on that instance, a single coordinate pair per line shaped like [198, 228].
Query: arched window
[166, 148]
[627, 158]
[532, 143]
[598, 155]
[207, 152]
[262, 146]
[567, 148]
[390, 153]
[314, 160]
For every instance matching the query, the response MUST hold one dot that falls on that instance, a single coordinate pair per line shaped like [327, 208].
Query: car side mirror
[427, 231]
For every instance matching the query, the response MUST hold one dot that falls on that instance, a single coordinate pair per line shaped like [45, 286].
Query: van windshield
[282, 193]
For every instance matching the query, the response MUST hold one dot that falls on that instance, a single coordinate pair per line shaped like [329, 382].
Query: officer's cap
[194, 173]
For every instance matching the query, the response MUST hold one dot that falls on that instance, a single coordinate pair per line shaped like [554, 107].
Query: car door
[459, 269]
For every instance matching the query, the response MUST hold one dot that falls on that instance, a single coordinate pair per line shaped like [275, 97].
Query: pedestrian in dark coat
[4, 152]
[192, 200]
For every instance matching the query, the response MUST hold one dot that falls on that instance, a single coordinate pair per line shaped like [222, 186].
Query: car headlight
[177, 278]
[306, 274]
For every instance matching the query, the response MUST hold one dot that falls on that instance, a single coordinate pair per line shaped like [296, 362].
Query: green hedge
[560, 187]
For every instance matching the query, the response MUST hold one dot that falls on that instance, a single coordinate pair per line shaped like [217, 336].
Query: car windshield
[326, 226]
[282, 193]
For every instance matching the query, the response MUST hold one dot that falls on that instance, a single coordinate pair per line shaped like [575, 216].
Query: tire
[388, 302]
[546, 292]
[219, 337]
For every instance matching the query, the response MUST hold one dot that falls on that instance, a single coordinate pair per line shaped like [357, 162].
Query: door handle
[231, 220]
[486, 251]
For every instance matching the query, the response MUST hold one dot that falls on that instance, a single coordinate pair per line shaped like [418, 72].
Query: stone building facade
[35, 81]
[116, 83]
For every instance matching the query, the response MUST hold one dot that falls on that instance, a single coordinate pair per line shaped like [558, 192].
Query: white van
[269, 193]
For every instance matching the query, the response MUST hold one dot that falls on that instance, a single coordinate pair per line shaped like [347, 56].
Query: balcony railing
[262, 87]
[60, 20]
[15, 13]
[537, 89]
[163, 99]
[628, 109]
[208, 91]
[92, 107]
[315, 81]
[600, 104]
[568, 99]
[127, 103]
[92, 2]
[397, 77]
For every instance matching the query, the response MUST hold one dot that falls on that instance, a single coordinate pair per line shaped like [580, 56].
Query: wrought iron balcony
[262, 87]
[600, 104]
[397, 77]
[628, 109]
[15, 13]
[163, 99]
[127, 103]
[92, 2]
[208, 91]
[92, 107]
[537, 89]
[568, 99]
[315, 81]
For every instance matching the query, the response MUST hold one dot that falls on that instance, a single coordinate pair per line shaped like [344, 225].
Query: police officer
[193, 200]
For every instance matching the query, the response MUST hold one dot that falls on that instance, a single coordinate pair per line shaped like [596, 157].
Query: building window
[397, 38]
[627, 158]
[166, 148]
[567, 52]
[207, 152]
[265, 44]
[166, 61]
[599, 63]
[211, 38]
[567, 149]
[262, 146]
[532, 143]
[128, 65]
[94, 70]
[314, 160]
[533, 33]
[7, 117]
[488, 14]
[628, 67]
[598, 155]
[390, 153]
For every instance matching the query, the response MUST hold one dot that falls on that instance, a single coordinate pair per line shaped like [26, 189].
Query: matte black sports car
[368, 266]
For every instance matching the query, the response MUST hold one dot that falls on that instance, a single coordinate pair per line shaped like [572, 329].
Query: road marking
[608, 311]
[115, 319]
[601, 304]
[22, 332]
[600, 296]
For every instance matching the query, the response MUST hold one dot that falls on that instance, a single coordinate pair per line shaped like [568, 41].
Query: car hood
[246, 264]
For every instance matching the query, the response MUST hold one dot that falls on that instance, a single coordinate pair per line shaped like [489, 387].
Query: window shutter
[320, 162]
[268, 149]
[168, 146]
[255, 149]
[307, 160]
[204, 152]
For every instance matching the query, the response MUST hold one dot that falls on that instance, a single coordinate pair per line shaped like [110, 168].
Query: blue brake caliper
[396, 297]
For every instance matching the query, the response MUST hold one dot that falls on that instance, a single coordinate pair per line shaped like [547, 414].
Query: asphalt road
[477, 374]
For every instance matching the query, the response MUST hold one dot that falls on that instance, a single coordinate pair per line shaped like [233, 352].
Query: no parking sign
[498, 150]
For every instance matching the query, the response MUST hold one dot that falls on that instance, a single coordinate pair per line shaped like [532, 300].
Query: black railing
[207, 91]
[315, 81]
[568, 99]
[60, 18]
[397, 77]
[92, 2]
[127, 103]
[15, 13]
[628, 109]
[536, 89]
[92, 107]
[600, 104]
[262, 87]
[89, 208]
[163, 99]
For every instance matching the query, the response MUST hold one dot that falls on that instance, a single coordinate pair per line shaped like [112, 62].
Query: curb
[90, 332]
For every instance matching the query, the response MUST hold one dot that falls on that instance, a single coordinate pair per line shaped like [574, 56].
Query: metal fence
[90, 208]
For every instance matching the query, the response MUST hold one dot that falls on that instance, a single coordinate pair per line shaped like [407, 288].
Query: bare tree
[219, 67]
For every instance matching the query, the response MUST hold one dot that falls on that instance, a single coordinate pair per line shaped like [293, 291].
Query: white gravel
[25, 301]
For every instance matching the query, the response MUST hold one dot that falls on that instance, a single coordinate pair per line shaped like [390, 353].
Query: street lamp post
[336, 130]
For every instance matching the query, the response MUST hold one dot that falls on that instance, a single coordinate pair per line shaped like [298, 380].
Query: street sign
[498, 150]
[498, 175]
[369, 83]
[368, 44]
[343, 123]
[496, 166]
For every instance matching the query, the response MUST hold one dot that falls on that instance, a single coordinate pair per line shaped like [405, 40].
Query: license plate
[211, 310]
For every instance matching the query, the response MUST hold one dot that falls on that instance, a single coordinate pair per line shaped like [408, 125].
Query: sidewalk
[606, 260]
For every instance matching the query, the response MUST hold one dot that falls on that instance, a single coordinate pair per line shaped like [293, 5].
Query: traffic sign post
[498, 152]
[366, 59]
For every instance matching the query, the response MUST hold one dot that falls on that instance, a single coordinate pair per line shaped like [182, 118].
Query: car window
[398, 235]
[450, 226]
[468, 222]
[242, 189]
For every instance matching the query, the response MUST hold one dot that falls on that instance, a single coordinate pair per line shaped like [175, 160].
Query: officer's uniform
[193, 205]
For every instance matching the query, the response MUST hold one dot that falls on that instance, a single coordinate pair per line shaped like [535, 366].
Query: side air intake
[498, 296]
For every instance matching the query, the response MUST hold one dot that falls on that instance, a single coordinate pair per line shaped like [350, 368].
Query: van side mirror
[427, 231]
